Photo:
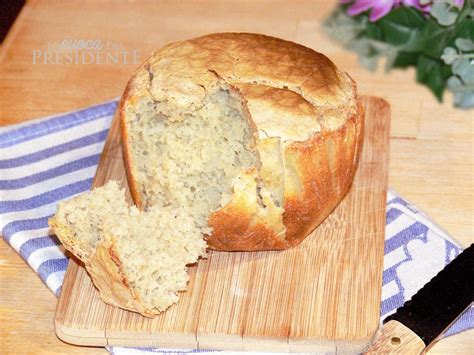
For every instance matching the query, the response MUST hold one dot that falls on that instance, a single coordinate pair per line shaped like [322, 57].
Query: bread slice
[256, 137]
[136, 260]
[78, 222]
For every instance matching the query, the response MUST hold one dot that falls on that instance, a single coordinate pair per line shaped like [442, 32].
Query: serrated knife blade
[421, 320]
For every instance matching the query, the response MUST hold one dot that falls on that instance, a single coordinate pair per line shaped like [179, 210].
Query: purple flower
[380, 8]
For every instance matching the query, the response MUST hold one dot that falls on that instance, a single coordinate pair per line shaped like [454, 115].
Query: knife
[415, 326]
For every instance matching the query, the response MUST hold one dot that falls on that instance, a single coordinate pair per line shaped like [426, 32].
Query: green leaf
[434, 37]
[464, 44]
[466, 11]
[416, 43]
[446, 71]
[449, 55]
[391, 54]
[437, 37]
[464, 29]
[463, 93]
[401, 25]
[430, 73]
[406, 17]
[464, 68]
[444, 13]
[343, 27]
[468, 77]
[405, 59]
[362, 47]
[374, 32]
[454, 83]
[464, 99]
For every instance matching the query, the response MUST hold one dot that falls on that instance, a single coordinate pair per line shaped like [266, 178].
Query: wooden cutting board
[321, 295]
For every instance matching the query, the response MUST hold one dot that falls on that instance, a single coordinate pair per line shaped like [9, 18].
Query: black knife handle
[441, 301]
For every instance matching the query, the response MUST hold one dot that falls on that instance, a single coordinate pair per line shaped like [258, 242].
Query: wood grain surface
[321, 295]
[431, 157]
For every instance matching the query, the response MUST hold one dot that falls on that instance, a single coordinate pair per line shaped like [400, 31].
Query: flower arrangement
[435, 36]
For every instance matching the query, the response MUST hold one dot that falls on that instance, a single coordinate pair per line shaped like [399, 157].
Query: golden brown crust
[66, 236]
[105, 269]
[293, 93]
[327, 164]
[127, 155]
[233, 230]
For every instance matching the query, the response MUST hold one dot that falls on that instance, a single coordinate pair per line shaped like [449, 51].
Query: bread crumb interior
[189, 158]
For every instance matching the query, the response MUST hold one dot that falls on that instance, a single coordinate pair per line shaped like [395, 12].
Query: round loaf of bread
[255, 137]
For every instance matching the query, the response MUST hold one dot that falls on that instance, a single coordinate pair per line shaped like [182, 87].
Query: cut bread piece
[137, 260]
[141, 263]
[78, 222]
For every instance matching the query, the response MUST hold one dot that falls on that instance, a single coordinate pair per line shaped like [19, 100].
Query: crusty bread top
[275, 76]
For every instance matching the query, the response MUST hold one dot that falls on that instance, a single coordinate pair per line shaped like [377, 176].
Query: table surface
[431, 159]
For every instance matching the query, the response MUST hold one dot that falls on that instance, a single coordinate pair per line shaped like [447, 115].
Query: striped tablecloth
[45, 161]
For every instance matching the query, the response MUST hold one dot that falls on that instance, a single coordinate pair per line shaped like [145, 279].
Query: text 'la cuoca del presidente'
[70, 51]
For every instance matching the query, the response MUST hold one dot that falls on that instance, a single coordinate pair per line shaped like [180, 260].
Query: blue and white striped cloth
[42, 163]
[45, 161]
